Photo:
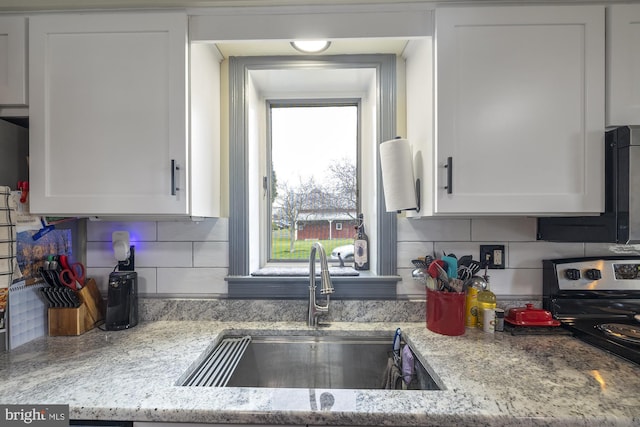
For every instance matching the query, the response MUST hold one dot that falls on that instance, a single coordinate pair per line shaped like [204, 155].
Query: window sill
[286, 271]
[367, 285]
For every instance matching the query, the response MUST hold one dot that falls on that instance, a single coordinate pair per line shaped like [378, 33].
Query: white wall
[192, 259]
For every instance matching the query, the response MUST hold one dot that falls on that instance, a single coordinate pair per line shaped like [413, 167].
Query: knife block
[77, 321]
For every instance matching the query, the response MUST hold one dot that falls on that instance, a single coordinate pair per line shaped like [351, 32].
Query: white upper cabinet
[519, 116]
[418, 56]
[109, 117]
[13, 60]
[623, 64]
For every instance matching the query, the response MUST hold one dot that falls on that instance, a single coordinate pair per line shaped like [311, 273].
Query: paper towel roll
[396, 162]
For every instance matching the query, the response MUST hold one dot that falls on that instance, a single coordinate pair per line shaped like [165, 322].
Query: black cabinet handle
[449, 167]
[174, 168]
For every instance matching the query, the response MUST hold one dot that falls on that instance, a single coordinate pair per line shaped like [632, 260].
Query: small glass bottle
[361, 246]
[499, 320]
[486, 299]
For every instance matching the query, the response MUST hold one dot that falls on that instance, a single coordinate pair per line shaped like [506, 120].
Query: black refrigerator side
[612, 226]
[14, 149]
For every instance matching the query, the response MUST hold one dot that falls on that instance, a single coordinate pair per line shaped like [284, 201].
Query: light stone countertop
[497, 380]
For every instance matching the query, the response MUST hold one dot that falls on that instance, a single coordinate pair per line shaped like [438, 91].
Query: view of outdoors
[314, 179]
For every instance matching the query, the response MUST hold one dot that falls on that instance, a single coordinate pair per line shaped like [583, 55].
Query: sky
[305, 140]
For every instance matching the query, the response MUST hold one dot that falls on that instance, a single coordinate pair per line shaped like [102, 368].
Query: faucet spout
[326, 288]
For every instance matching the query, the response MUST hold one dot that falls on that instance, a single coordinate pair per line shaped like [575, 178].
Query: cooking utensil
[456, 284]
[433, 268]
[431, 283]
[465, 260]
[73, 275]
[451, 266]
[419, 274]
[464, 273]
[443, 279]
[48, 299]
[418, 263]
[474, 266]
[476, 282]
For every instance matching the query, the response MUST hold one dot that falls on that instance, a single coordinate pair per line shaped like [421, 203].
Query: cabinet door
[13, 60]
[623, 65]
[520, 117]
[108, 113]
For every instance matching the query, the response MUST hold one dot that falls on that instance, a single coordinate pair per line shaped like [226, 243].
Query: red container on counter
[445, 312]
[530, 316]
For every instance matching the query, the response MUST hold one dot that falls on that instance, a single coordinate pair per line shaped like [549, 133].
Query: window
[314, 179]
[247, 156]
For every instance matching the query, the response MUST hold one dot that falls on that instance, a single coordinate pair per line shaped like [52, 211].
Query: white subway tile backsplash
[459, 249]
[210, 229]
[165, 254]
[200, 281]
[409, 287]
[412, 250]
[510, 229]
[100, 231]
[147, 254]
[531, 254]
[100, 254]
[192, 258]
[516, 282]
[433, 229]
[211, 254]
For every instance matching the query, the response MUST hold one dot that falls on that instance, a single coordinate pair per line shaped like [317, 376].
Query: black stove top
[620, 336]
[598, 300]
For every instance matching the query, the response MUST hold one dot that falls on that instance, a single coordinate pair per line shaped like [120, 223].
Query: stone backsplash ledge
[241, 310]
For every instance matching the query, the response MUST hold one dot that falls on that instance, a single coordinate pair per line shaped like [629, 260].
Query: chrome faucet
[325, 282]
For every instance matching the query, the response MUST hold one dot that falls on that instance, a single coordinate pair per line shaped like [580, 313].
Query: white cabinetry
[109, 119]
[519, 110]
[623, 64]
[13, 60]
[419, 79]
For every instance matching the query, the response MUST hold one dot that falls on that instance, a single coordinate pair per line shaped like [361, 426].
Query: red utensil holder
[445, 312]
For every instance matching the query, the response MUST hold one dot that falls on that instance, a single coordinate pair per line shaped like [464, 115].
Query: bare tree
[294, 201]
[343, 186]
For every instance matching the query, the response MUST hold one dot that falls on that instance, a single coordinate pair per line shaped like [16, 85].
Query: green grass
[301, 248]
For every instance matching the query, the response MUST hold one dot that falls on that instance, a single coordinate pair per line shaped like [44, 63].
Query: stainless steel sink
[331, 362]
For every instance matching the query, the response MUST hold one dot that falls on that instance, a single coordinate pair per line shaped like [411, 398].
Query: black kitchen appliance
[620, 221]
[598, 300]
[122, 301]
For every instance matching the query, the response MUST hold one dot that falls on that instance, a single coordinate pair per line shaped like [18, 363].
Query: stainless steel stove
[598, 300]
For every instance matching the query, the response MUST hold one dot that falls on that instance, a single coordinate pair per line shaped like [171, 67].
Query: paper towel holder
[417, 208]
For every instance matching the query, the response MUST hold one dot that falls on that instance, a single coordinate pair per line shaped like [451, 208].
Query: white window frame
[300, 102]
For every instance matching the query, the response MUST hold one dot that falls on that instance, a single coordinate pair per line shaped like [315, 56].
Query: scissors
[72, 275]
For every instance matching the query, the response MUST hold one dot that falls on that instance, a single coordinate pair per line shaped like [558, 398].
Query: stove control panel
[598, 274]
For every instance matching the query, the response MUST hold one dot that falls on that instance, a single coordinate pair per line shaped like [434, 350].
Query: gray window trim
[239, 68]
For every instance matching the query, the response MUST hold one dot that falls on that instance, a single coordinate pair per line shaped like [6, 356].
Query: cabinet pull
[449, 167]
[174, 168]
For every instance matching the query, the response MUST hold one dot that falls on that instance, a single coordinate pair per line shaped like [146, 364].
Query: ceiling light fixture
[311, 46]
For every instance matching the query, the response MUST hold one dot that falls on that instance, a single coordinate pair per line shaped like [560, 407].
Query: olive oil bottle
[486, 299]
[361, 246]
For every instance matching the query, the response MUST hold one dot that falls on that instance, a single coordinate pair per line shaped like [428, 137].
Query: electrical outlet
[493, 256]
[129, 264]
